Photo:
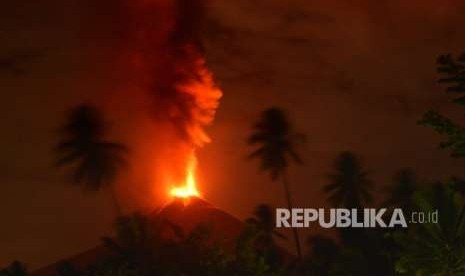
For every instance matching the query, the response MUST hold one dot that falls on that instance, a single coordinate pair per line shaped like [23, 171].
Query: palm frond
[96, 161]
[275, 138]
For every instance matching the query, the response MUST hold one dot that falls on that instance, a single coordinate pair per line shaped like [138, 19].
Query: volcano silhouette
[194, 212]
[186, 215]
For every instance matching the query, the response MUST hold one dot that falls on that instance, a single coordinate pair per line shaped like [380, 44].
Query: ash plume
[164, 92]
[169, 56]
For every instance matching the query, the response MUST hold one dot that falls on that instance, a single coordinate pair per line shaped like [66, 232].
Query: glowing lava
[189, 189]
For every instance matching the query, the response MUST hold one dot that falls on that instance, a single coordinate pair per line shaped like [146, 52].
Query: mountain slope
[186, 215]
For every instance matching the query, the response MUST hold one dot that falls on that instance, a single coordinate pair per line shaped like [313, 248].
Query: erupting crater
[189, 189]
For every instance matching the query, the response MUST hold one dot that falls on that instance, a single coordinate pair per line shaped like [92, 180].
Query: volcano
[192, 212]
[186, 213]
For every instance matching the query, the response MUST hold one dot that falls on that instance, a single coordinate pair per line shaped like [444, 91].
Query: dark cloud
[364, 40]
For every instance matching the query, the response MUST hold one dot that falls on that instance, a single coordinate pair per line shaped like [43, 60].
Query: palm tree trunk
[289, 205]
[460, 218]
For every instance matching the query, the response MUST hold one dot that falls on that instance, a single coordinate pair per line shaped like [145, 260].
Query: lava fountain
[189, 188]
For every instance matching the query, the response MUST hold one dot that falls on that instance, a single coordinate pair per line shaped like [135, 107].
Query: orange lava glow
[205, 97]
[189, 189]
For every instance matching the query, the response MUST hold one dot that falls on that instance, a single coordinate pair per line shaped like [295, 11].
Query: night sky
[353, 75]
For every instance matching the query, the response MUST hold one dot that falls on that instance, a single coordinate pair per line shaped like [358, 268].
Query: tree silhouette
[136, 242]
[141, 247]
[439, 249]
[264, 221]
[452, 73]
[264, 224]
[68, 269]
[95, 160]
[401, 193]
[322, 255]
[14, 269]
[275, 140]
[349, 186]
[434, 248]
[444, 126]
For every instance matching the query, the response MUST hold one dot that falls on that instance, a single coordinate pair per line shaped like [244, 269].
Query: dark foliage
[400, 194]
[455, 134]
[349, 185]
[435, 248]
[323, 252]
[14, 269]
[263, 227]
[140, 248]
[96, 161]
[452, 73]
[67, 269]
[275, 141]
[265, 222]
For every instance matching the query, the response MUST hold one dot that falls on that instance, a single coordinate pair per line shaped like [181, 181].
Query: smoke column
[170, 58]
[163, 60]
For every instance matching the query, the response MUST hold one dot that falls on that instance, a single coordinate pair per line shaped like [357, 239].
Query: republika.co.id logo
[350, 218]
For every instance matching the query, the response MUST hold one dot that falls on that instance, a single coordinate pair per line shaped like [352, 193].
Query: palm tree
[434, 248]
[274, 140]
[263, 226]
[401, 193]
[95, 161]
[264, 222]
[349, 187]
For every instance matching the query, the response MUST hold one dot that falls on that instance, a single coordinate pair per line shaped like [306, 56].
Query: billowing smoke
[165, 69]
[168, 53]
